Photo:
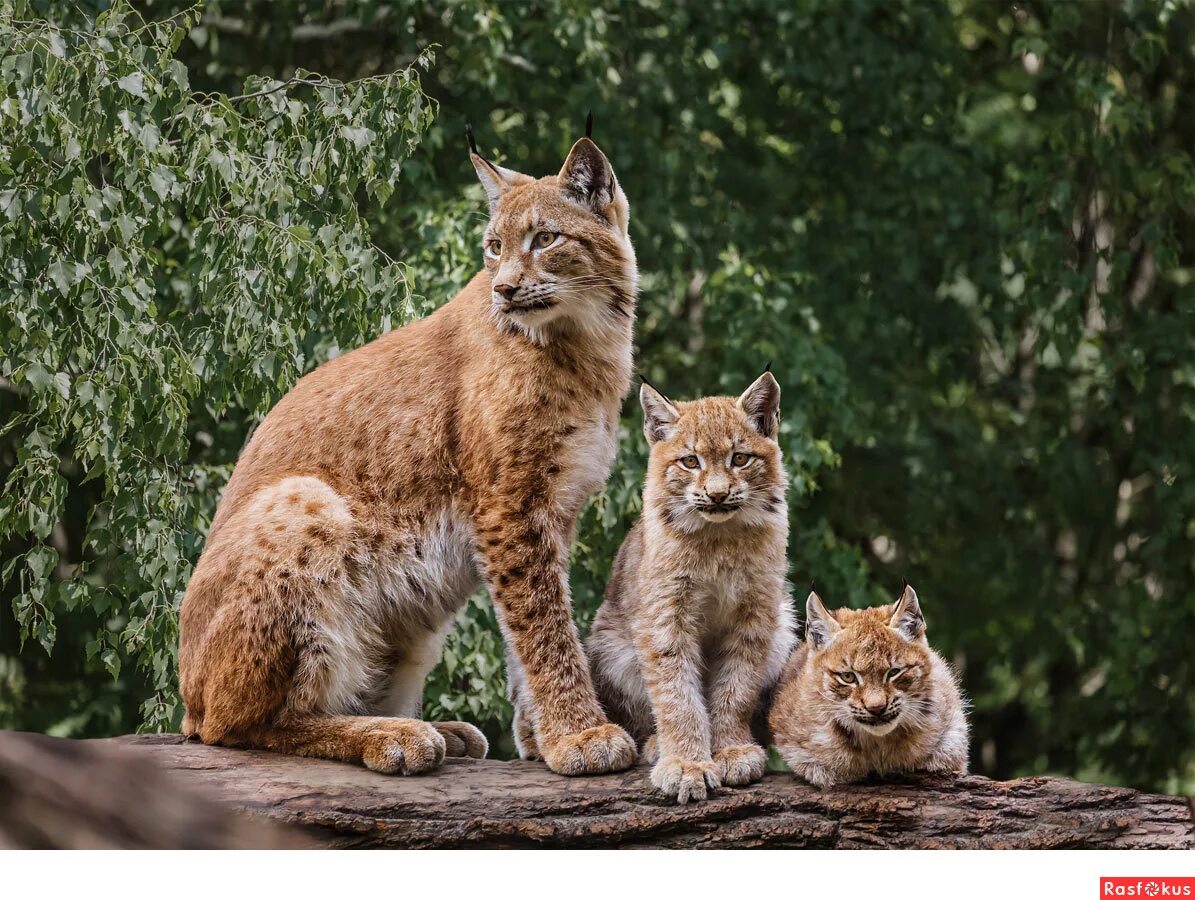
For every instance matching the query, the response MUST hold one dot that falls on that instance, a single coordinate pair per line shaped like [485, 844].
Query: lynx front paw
[818, 776]
[741, 764]
[603, 748]
[686, 779]
[462, 739]
[403, 746]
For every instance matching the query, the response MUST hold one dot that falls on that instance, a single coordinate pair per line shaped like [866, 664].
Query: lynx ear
[761, 403]
[587, 178]
[906, 615]
[820, 626]
[659, 414]
[495, 179]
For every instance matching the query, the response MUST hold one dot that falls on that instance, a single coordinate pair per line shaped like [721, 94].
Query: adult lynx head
[873, 665]
[557, 248]
[715, 459]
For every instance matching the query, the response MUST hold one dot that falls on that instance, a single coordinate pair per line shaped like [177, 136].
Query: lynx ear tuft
[820, 626]
[761, 403]
[589, 124]
[659, 414]
[587, 178]
[495, 179]
[907, 618]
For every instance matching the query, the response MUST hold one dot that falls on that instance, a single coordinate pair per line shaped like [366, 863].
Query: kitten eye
[543, 239]
[894, 671]
[493, 249]
[846, 677]
[740, 459]
[690, 462]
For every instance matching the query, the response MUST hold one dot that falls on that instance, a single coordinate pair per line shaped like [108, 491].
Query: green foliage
[172, 258]
[964, 234]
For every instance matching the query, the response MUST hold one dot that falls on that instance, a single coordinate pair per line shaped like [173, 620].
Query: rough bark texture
[82, 795]
[519, 804]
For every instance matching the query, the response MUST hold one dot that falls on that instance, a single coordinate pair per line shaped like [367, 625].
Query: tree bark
[95, 795]
[522, 804]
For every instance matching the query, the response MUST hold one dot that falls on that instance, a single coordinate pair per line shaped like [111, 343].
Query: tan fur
[903, 711]
[389, 482]
[696, 622]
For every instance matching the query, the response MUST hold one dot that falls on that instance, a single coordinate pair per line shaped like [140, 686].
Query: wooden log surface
[521, 804]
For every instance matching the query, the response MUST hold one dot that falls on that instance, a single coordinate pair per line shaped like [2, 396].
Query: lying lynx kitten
[865, 695]
[696, 622]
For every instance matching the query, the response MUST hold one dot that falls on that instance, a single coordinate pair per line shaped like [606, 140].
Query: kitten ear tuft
[907, 618]
[659, 413]
[820, 626]
[761, 403]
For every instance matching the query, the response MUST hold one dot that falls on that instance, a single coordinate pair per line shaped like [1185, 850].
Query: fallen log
[94, 795]
[521, 804]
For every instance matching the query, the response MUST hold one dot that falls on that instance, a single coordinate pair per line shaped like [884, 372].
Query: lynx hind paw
[462, 739]
[603, 748]
[525, 741]
[403, 746]
[686, 779]
[650, 753]
[741, 764]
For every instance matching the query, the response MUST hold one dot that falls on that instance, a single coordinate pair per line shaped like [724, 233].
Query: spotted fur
[696, 622]
[390, 482]
[865, 695]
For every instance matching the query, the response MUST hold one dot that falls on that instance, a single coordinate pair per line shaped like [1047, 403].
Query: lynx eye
[894, 672]
[690, 462]
[493, 249]
[543, 239]
[740, 459]
[846, 677]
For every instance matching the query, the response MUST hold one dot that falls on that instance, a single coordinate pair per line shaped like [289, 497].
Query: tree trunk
[522, 804]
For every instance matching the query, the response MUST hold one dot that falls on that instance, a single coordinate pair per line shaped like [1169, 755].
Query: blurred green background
[963, 232]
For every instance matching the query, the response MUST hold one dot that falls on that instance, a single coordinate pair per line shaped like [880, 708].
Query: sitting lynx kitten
[865, 695]
[696, 623]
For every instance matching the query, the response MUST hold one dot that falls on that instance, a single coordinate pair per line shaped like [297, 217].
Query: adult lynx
[390, 481]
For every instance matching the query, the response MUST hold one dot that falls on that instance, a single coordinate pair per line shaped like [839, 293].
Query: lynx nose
[877, 709]
[507, 291]
[718, 496]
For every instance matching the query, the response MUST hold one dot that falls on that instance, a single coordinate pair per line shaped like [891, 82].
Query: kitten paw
[603, 748]
[686, 779]
[650, 753]
[741, 764]
[462, 739]
[818, 776]
[403, 746]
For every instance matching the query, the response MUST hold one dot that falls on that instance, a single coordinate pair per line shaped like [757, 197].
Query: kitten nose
[507, 291]
[718, 496]
[877, 709]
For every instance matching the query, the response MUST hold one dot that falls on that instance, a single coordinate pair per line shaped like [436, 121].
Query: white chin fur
[878, 730]
[718, 516]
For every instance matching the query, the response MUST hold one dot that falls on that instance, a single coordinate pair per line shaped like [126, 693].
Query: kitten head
[557, 248]
[872, 665]
[715, 460]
